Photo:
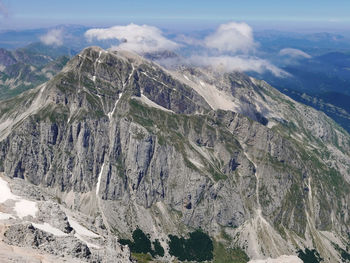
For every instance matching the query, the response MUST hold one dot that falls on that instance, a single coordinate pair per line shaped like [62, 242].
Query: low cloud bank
[237, 63]
[229, 48]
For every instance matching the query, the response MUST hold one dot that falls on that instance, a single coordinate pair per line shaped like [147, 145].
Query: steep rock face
[120, 138]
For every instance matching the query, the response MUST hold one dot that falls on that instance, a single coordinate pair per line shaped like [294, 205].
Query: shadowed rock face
[117, 136]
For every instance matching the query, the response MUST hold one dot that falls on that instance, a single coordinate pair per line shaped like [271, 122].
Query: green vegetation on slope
[229, 255]
[198, 247]
[309, 256]
[141, 245]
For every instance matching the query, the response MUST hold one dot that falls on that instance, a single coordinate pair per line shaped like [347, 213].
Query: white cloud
[140, 39]
[231, 37]
[191, 41]
[237, 63]
[226, 43]
[295, 53]
[53, 37]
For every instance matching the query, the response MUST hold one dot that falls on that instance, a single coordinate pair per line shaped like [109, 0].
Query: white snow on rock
[217, 99]
[151, 103]
[80, 230]
[22, 207]
[5, 192]
[281, 259]
[99, 180]
[25, 208]
[90, 245]
[4, 216]
[110, 114]
[50, 229]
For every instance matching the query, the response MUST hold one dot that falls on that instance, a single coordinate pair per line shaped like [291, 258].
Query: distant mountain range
[25, 68]
[322, 82]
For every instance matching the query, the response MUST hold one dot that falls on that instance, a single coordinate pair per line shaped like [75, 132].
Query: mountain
[326, 73]
[189, 164]
[334, 104]
[313, 43]
[25, 68]
[321, 82]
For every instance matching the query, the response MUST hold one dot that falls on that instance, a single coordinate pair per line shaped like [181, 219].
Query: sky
[181, 13]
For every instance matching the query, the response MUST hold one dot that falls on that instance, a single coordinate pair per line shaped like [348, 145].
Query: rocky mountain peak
[131, 145]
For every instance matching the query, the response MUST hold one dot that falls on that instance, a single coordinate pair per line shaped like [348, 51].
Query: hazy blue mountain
[315, 43]
[12, 39]
[322, 82]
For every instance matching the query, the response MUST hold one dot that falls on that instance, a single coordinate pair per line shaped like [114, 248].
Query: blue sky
[192, 13]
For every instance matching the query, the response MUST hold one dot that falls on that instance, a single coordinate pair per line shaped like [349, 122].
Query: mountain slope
[26, 68]
[133, 145]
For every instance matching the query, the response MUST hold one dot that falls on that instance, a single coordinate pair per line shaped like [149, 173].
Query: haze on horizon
[178, 15]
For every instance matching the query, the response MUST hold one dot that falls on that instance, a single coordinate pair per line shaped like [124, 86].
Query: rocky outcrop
[27, 235]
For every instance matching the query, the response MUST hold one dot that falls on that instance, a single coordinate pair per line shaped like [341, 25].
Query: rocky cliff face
[131, 144]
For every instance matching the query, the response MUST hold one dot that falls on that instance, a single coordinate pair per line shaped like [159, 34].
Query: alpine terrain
[117, 159]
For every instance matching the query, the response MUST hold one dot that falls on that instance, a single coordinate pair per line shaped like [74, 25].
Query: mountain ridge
[134, 145]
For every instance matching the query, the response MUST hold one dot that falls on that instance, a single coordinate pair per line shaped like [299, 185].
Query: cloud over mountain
[140, 39]
[231, 37]
[229, 48]
[53, 37]
[295, 53]
[237, 63]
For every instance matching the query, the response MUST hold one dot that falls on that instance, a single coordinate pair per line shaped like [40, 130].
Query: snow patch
[50, 229]
[4, 216]
[90, 245]
[5, 192]
[80, 230]
[151, 103]
[22, 207]
[198, 164]
[216, 99]
[99, 180]
[25, 208]
[110, 114]
[281, 259]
